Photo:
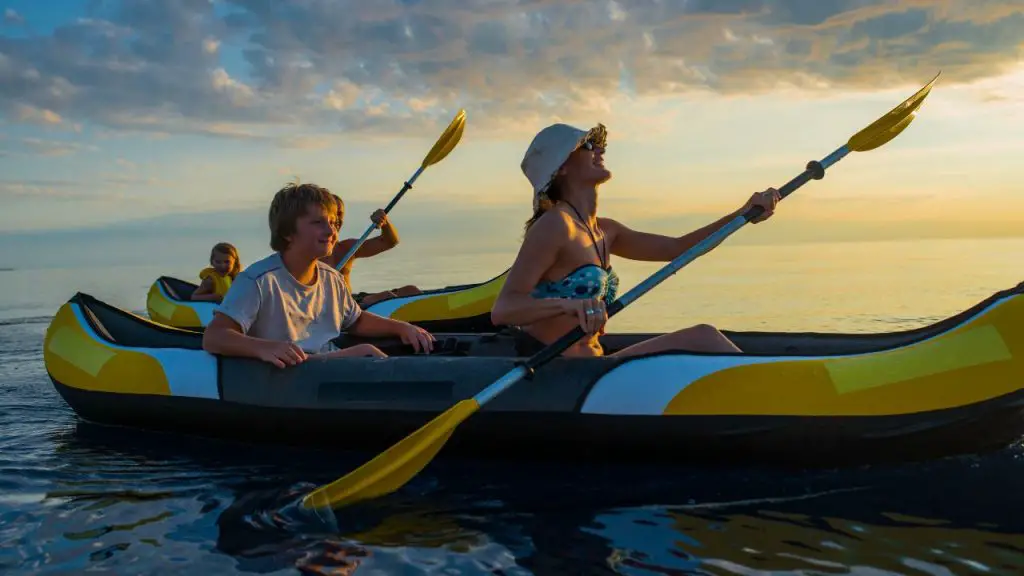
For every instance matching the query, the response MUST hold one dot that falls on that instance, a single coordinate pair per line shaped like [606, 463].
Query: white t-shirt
[268, 302]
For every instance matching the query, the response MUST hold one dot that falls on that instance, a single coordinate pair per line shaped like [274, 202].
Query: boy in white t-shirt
[290, 304]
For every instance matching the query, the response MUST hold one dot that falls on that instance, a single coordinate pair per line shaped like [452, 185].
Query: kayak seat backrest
[129, 330]
[169, 289]
[97, 325]
[177, 288]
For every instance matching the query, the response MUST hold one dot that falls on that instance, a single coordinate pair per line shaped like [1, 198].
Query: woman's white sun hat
[550, 149]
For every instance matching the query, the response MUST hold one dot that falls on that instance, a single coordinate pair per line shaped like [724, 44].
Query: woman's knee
[704, 337]
[705, 331]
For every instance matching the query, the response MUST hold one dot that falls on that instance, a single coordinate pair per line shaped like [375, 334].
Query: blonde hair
[227, 249]
[340, 212]
[289, 204]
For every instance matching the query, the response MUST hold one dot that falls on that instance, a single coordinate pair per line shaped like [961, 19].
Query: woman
[562, 275]
[387, 240]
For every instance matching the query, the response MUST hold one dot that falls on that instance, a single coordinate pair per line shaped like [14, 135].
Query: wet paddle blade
[396, 466]
[448, 140]
[889, 126]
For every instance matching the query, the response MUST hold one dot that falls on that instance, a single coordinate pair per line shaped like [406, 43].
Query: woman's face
[585, 166]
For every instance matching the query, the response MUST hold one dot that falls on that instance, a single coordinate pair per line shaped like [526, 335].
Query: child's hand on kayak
[281, 354]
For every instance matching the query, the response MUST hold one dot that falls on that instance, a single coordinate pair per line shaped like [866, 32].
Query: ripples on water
[76, 497]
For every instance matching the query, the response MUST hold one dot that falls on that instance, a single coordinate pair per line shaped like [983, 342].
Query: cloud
[55, 190]
[263, 69]
[99, 187]
[41, 147]
[12, 17]
[32, 115]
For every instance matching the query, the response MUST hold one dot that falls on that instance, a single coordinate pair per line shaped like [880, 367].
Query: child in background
[387, 240]
[217, 278]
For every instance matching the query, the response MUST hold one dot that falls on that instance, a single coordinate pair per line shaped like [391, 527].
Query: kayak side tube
[461, 308]
[808, 398]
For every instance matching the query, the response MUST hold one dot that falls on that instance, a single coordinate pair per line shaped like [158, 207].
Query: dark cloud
[260, 69]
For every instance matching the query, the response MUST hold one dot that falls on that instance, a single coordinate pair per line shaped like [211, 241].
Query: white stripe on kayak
[388, 307]
[645, 386]
[190, 373]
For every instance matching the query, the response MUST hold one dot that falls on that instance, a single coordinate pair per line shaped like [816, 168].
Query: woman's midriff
[550, 330]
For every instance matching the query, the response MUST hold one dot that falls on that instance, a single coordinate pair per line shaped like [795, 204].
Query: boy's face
[315, 233]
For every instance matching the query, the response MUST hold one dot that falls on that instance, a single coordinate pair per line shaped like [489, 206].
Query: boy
[291, 304]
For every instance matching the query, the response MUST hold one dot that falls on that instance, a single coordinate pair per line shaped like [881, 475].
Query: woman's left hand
[766, 199]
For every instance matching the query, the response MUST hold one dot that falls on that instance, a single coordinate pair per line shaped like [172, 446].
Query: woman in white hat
[562, 275]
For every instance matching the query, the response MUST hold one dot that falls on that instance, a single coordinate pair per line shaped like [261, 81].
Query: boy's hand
[281, 354]
[358, 350]
[418, 338]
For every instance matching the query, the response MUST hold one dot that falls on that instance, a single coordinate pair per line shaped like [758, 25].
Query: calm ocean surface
[77, 498]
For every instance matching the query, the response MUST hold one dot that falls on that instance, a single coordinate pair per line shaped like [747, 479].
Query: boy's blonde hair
[289, 204]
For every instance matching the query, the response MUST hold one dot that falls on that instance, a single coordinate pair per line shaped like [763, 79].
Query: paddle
[445, 144]
[398, 464]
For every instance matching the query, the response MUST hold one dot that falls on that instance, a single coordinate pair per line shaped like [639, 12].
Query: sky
[119, 112]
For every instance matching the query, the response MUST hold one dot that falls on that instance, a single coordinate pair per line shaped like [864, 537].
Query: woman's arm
[646, 246]
[539, 252]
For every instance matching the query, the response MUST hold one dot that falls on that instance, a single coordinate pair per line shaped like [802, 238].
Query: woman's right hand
[590, 313]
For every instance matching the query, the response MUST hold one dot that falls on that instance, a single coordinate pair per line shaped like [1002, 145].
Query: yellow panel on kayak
[485, 294]
[158, 306]
[462, 304]
[76, 358]
[972, 347]
[987, 352]
[169, 312]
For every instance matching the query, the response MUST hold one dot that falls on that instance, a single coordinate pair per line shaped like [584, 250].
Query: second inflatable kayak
[464, 308]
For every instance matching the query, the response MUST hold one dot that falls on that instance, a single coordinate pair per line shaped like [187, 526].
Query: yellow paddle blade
[448, 140]
[889, 126]
[394, 467]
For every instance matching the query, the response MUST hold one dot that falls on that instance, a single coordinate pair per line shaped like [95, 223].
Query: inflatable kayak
[805, 398]
[462, 308]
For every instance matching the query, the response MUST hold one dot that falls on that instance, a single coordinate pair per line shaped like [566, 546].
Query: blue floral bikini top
[587, 281]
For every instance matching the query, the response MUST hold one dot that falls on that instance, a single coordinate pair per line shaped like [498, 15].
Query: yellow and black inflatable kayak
[462, 308]
[805, 398]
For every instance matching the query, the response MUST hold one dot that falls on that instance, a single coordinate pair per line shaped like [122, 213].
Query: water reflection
[117, 498]
[764, 541]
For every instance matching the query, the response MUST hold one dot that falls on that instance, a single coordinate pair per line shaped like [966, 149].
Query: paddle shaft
[815, 171]
[351, 251]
